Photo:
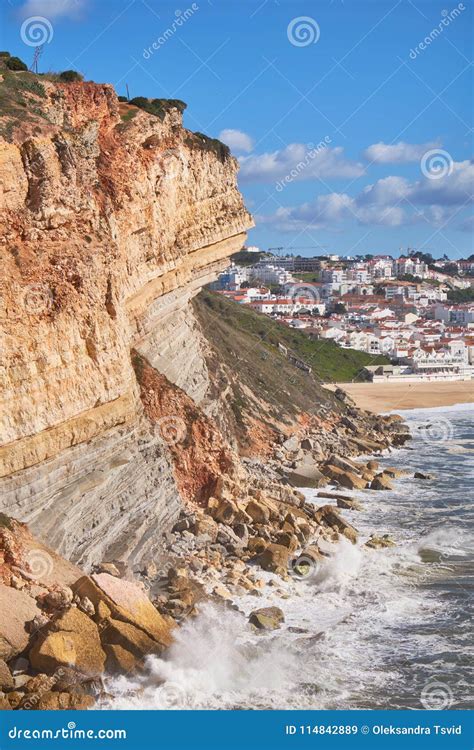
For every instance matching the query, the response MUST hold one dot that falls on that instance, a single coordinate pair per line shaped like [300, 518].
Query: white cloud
[53, 9]
[392, 201]
[397, 153]
[237, 140]
[307, 161]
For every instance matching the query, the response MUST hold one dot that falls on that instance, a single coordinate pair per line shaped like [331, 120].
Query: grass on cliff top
[329, 363]
[21, 96]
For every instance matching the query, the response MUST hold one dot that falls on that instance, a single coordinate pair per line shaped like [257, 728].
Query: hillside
[329, 363]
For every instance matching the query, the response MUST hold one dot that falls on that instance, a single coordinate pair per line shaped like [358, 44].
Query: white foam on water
[359, 632]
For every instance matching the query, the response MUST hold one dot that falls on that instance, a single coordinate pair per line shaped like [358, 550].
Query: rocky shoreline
[66, 630]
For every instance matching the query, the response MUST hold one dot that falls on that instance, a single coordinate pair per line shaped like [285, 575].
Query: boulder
[347, 479]
[287, 539]
[344, 463]
[131, 638]
[394, 473]
[379, 542]
[381, 482]
[227, 537]
[274, 559]
[71, 640]
[291, 444]
[372, 465]
[334, 496]
[267, 618]
[348, 504]
[5, 704]
[53, 701]
[119, 660]
[17, 609]
[421, 475]
[41, 683]
[329, 516]
[257, 544]
[6, 677]
[241, 530]
[126, 601]
[108, 567]
[307, 476]
[258, 512]
[206, 525]
[222, 510]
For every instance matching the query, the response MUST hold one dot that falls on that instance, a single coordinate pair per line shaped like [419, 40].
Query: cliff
[112, 219]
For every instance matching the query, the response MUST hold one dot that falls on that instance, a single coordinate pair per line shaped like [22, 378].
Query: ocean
[368, 629]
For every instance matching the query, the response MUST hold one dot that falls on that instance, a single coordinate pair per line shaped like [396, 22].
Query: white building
[462, 315]
[275, 275]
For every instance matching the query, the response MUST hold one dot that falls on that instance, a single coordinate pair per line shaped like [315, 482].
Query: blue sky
[353, 131]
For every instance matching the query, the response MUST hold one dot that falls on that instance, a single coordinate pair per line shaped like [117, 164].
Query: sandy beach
[381, 397]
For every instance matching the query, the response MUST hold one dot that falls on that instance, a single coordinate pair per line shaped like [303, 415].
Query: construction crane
[307, 247]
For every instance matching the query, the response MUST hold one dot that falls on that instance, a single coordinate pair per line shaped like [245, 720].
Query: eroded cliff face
[111, 221]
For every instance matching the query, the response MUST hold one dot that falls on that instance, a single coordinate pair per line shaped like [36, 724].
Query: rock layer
[112, 219]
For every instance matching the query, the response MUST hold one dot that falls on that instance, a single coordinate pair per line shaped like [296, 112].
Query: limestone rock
[287, 539]
[267, 618]
[71, 640]
[119, 660]
[6, 678]
[256, 544]
[379, 542]
[329, 516]
[274, 558]
[131, 638]
[307, 476]
[54, 701]
[347, 479]
[394, 473]
[344, 463]
[206, 525]
[17, 609]
[348, 503]
[381, 482]
[258, 512]
[126, 601]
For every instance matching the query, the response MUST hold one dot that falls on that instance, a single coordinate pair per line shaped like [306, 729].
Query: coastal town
[416, 311]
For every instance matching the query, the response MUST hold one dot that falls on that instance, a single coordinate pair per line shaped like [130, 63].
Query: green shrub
[169, 104]
[158, 107]
[202, 141]
[70, 76]
[122, 99]
[3, 53]
[14, 63]
[140, 101]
